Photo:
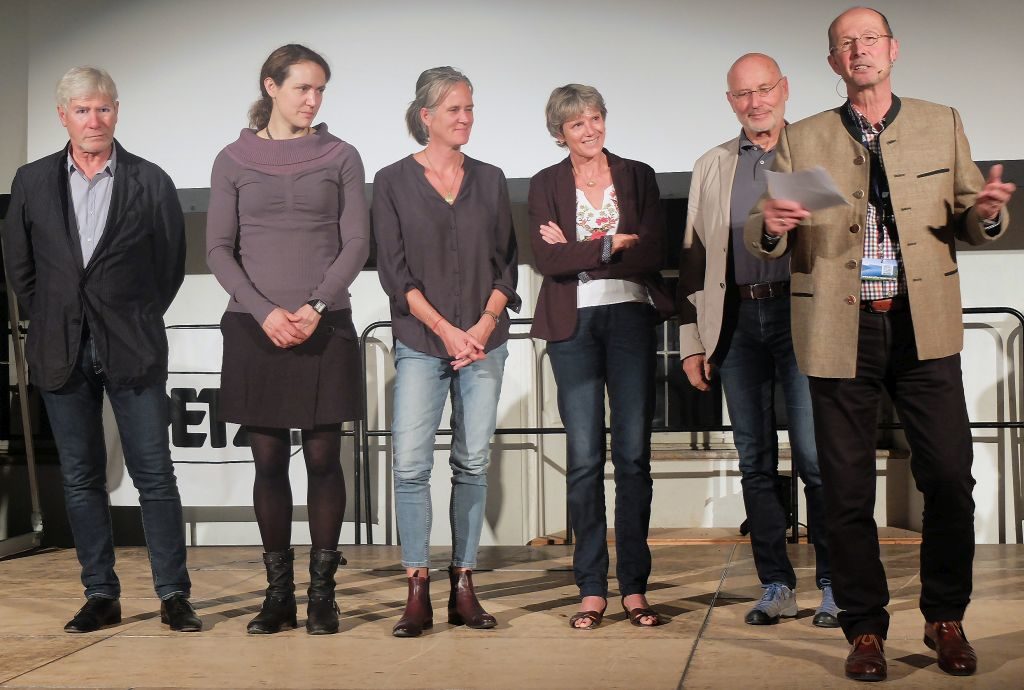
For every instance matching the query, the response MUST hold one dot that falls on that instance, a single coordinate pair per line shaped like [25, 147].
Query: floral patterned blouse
[594, 223]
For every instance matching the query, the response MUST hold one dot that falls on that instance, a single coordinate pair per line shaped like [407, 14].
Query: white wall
[14, 57]
[187, 70]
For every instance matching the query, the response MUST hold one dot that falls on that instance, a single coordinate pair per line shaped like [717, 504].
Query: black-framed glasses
[846, 45]
[763, 91]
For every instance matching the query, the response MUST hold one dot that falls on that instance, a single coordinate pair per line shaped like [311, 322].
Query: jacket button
[851, 264]
[859, 194]
[721, 285]
[855, 228]
[850, 299]
[859, 160]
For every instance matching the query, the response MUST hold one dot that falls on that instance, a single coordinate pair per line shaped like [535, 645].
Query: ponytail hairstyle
[277, 67]
[431, 88]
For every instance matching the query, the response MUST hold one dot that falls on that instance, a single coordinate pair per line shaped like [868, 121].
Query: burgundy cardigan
[553, 197]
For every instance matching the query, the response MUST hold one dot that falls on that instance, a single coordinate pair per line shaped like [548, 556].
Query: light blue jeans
[422, 384]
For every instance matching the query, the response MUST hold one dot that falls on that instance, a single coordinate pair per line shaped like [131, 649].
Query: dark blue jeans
[759, 354]
[76, 416]
[613, 345]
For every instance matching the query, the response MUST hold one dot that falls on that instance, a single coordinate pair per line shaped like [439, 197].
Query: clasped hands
[465, 347]
[287, 329]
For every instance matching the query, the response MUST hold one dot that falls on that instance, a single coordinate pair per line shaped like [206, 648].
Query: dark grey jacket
[133, 275]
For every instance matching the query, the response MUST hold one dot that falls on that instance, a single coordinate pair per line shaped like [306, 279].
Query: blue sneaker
[827, 615]
[777, 601]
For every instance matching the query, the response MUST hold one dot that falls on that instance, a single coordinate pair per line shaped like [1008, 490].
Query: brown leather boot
[867, 658]
[956, 655]
[463, 606]
[418, 615]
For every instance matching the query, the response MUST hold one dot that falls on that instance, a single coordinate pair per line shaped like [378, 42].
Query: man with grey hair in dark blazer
[94, 248]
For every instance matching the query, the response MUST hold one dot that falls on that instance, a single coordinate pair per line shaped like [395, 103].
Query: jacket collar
[854, 129]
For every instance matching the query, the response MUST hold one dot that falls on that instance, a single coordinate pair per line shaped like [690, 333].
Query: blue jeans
[422, 385]
[76, 417]
[613, 346]
[760, 352]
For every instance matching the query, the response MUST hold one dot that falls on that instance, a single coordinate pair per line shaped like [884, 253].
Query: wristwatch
[319, 306]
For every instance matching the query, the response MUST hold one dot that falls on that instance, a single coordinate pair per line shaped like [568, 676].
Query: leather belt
[884, 306]
[764, 290]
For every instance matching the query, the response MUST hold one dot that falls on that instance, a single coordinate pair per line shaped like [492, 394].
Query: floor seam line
[707, 619]
[60, 658]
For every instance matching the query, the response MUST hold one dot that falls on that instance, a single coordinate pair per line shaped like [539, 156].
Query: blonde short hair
[82, 82]
[568, 102]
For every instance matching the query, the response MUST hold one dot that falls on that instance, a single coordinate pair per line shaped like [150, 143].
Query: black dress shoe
[177, 612]
[97, 613]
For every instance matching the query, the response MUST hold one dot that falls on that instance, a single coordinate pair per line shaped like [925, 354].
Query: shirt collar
[745, 143]
[110, 167]
[853, 120]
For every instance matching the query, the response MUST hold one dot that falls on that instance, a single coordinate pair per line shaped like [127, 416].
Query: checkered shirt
[878, 244]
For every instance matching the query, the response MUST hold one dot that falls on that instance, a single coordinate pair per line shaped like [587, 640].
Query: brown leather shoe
[419, 614]
[867, 659]
[956, 655]
[463, 606]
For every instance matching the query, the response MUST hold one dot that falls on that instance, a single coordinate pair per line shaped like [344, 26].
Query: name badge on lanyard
[879, 269]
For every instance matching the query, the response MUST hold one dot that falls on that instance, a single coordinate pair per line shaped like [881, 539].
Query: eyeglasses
[762, 92]
[846, 45]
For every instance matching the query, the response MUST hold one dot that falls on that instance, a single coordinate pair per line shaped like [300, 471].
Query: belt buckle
[873, 310]
[756, 294]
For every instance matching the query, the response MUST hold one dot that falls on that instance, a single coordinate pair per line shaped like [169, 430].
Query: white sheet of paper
[814, 188]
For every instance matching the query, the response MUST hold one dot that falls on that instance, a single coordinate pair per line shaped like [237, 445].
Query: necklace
[448, 196]
[271, 136]
[590, 182]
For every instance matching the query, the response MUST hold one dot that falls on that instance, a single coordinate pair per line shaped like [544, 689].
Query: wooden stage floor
[705, 589]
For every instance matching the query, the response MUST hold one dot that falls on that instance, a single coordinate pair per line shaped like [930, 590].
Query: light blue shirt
[90, 200]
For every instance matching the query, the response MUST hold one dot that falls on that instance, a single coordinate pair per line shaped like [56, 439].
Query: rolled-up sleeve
[505, 262]
[392, 268]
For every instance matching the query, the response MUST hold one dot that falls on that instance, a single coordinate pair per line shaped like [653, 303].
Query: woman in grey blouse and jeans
[447, 259]
[287, 233]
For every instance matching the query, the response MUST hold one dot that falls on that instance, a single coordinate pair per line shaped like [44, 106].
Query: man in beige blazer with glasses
[876, 305]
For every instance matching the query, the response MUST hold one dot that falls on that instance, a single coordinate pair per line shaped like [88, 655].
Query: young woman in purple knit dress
[287, 233]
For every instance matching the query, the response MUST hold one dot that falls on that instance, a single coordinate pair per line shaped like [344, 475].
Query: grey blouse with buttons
[456, 255]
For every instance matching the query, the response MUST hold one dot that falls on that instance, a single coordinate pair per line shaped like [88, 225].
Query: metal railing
[365, 434]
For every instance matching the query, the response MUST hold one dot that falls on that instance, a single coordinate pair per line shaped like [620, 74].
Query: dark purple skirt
[302, 387]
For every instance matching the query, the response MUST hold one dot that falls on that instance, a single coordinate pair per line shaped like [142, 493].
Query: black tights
[272, 491]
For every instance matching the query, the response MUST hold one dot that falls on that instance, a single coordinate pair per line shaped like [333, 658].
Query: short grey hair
[569, 102]
[82, 82]
[432, 87]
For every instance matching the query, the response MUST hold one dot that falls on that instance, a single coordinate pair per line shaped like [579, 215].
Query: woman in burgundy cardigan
[597, 233]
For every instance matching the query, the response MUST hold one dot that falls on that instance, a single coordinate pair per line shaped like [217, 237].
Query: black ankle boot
[322, 611]
[278, 611]
[463, 606]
